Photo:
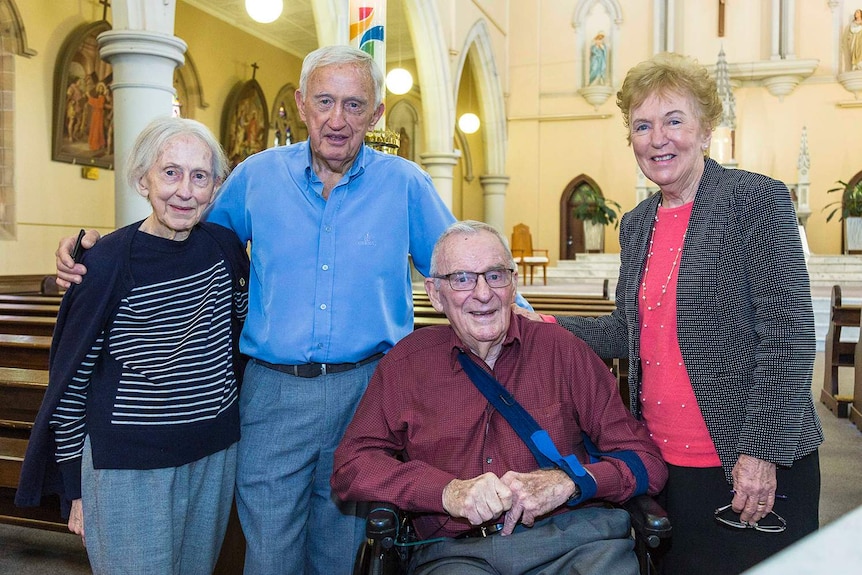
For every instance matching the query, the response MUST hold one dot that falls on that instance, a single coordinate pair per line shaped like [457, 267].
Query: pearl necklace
[669, 274]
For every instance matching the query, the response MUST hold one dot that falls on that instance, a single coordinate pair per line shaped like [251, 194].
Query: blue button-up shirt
[330, 279]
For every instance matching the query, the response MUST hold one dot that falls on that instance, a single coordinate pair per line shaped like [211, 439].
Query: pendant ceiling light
[264, 11]
[469, 123]
[399, 81]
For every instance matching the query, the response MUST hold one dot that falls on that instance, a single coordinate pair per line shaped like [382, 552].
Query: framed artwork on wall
[245, 122]
[83, 127]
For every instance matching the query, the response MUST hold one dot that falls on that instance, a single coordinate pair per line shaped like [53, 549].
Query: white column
[788, 21]
[776, 30]
[143, 65]
[494, 191]
[670, 27]
[440, 166]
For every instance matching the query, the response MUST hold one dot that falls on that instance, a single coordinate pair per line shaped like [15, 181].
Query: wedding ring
[761, 503]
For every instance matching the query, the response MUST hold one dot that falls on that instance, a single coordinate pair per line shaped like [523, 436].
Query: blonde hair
[668, 73]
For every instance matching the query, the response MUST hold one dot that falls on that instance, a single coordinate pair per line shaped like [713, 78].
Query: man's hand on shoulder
[526, 313]
[534, 494]
[68, 272]
[478, 500]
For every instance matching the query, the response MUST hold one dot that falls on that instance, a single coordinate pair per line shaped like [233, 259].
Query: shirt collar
[356, 168]
[513, 334]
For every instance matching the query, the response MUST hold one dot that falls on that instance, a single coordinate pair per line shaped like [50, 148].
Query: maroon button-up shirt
[420, 404]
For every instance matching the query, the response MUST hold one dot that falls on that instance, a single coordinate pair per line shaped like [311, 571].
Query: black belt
[481, 531]
[310, 370]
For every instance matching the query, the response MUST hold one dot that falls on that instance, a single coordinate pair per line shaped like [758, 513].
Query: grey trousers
[590, 541]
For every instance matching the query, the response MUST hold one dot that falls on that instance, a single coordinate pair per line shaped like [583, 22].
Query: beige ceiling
[294, 30]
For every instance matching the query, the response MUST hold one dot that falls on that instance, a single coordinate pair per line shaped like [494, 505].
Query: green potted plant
[596, 211]
[590, 206]
[850, 204]
[850, 209]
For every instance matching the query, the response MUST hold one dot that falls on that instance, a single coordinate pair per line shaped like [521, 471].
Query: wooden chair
[525, 255]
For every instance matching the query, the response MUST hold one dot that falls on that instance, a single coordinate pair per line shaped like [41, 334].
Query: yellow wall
[544, 155]
[52, 200]
[538, 61]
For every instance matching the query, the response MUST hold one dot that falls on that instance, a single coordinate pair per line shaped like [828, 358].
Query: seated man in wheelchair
[426, 439]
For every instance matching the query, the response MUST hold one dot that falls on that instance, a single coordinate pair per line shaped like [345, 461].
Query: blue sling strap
[539, 441]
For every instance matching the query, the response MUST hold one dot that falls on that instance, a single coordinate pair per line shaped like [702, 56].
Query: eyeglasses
[465, 281]
[776, 523]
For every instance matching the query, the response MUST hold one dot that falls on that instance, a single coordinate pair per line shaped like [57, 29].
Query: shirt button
[323, 306]
[324, 267]
[489, 460]
[328, 228]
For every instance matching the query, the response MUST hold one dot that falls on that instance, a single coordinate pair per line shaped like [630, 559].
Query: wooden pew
[31, 283]
[39, 309]
[855, 408]
[30, 298]
[854, 411]
[27, 325]
[21, 392]
[838, 353]
[25, 351]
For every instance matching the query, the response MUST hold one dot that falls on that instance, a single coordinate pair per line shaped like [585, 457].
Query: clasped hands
[521, 496]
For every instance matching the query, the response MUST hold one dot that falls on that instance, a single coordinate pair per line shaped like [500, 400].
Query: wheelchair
[389, 537]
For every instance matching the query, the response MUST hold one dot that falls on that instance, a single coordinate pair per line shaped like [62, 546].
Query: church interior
[540, 77]
[522, 67]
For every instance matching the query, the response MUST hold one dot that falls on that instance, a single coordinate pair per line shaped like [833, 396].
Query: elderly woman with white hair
[140, 422]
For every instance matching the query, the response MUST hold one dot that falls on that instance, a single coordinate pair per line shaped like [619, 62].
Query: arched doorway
[571, 228]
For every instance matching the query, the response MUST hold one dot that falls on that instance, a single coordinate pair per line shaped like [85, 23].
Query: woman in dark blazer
[714, 313]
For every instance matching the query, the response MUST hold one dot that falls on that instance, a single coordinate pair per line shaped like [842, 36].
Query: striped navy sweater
[145, 358]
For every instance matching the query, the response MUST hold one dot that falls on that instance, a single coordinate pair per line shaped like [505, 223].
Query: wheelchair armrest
[649, 520]
[382, 523]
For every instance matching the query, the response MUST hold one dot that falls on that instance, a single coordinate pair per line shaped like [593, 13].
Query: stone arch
[12, 29]
[190, 91]
[438, 97]
[404, 119]
[477, 45]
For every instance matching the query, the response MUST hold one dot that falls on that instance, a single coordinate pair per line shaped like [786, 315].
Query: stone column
[494, 191]
[441, 165]
[143, 65]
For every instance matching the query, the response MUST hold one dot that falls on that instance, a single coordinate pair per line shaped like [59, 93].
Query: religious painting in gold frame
[245, 122]
[83, 126]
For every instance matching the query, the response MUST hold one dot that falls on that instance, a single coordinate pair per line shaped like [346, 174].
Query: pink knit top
[667, 399]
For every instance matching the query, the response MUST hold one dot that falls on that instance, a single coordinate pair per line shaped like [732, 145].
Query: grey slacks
[583, 541]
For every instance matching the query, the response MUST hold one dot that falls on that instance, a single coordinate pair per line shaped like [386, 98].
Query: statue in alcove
[854, 41]
[598, 60]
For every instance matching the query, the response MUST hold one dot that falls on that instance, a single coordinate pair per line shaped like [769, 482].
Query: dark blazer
[744, 315]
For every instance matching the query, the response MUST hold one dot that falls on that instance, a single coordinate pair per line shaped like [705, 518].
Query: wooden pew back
[838, 353]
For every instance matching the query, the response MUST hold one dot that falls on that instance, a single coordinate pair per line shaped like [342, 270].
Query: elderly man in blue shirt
[331, 223]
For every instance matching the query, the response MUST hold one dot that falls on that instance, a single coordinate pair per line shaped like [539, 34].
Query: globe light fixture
[469, 123]
[399, 81]
[264, 11]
